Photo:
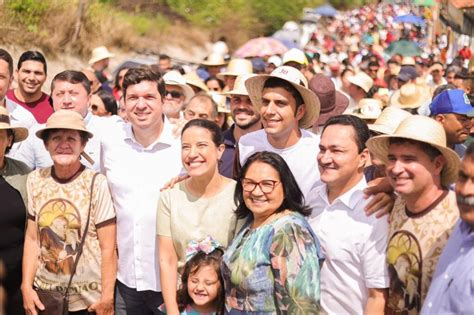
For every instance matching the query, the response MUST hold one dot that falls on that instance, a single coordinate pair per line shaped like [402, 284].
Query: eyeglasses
[174, 94]
[266, 185]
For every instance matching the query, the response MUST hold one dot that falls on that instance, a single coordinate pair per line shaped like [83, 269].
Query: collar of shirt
[166, 136]
[350, 198]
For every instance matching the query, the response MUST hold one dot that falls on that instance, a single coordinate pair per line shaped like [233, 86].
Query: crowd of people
[332, 179]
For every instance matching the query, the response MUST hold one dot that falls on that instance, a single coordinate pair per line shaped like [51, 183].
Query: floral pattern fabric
[275, 267]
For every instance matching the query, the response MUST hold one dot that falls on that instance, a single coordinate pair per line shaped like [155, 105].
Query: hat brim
[395, 100]
[255, 85]
[94, 60]
[19, 133]
[358, 83]
[341, 104]
[210, 64]
[379, 146]
[40, 132]
[227, 74]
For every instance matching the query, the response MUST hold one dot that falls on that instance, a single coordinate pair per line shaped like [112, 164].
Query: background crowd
[336, 178]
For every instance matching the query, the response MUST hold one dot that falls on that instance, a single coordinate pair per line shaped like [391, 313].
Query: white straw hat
[368, 108]
[236, 67]
[389, 120]
[362, 80]
[214, 60]
[19, 133]
[100, 53]
[410, 95]
[422, 129]
[239, 85]
[193, 79]
[298, 81]
[173, 77]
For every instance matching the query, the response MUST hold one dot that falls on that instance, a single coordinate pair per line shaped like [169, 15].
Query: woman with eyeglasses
[200, 206]
[273, 264]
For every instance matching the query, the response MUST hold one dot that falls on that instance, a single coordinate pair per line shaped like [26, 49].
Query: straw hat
[295, 55]
[236, 67]
[193, 79]
[333, 102]
[368, 108]
[20, 133]
[175, 78]
[239, 85]
[362, 80]
[221, 102]
[410, 95]
[389, 120]
[423, 129]
[100, 53]
[65, 119]
[298, 81]
[214, 60]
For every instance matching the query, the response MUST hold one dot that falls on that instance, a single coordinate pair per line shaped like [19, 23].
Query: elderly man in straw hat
[62, 200]
[420, 168]
[454, 268]
[453, 110]
[246, 120]
[287, 108]
[70, 90]
[235, 68]
[100, 62]
[178, 93]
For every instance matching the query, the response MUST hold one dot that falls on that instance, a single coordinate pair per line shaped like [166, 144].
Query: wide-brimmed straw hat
[298, 81]
[19, 133]
[422, 129]
[410, 95]
[221, 102]
[173, 77]
[362, 80]
[332, 102]
[65, 119]
[100, 53]
[214, 60]
[368, 108]
[239, 85]
[389, 120]
[236, 67]
[193, 79]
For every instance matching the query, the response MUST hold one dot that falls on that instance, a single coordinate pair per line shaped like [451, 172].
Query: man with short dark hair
[354, 276]
[420, 168]
[138, 158]
[201, 106]
[453, 110]
[69, 90]
[164, 63]
[31, 75]
[451, 287]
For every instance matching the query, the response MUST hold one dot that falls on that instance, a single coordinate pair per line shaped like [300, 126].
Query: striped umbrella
[260, 47]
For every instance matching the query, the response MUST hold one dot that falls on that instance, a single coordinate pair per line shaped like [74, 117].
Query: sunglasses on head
[174, 94]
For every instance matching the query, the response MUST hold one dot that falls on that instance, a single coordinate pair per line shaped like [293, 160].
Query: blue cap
[451, 101]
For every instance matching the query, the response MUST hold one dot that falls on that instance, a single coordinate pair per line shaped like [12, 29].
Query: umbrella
[326, 10]
[260, 47]
[404, 48]
[288, 38]
[410, 18]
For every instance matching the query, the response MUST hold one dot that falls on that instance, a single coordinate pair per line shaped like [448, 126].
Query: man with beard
[246, 119]
[451, 287]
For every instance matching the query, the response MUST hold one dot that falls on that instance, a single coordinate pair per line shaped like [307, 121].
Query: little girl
[202, 287]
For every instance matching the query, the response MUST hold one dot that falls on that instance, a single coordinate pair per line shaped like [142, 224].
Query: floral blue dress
[273, 268]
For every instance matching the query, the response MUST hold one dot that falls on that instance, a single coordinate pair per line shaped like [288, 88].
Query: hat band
[5, 119]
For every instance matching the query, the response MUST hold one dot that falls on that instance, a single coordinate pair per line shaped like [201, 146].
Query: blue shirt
[452, 286]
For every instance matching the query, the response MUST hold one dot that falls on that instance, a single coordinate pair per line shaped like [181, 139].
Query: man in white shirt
[69, 90]
[354, 276]
[19, 116]
[138, 158]
[287, 107]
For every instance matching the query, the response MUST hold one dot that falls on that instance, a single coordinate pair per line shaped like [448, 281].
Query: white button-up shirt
[35, 155]
[354, 245]
[135, 175]
[19, 117]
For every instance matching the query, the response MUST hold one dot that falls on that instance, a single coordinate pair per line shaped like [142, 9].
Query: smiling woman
[190, 211]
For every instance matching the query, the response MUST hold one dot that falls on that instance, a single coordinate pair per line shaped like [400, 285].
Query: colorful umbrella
[410, 19]
[326, 10]
[404, 48]
[260, 47]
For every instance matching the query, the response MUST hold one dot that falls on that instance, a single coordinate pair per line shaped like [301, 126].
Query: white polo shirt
[300, 157]
[355, 248]
[135, 175]
[34, 154]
